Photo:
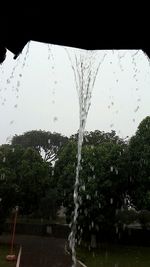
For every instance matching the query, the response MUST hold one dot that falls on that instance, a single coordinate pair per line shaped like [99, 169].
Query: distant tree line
[37, 173]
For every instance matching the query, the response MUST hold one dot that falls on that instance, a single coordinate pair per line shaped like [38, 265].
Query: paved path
[41, 251]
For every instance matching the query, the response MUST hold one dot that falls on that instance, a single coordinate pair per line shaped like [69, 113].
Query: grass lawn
[4, 250]
[116, 256]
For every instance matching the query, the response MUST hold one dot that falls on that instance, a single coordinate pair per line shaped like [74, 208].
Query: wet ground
[41, 251]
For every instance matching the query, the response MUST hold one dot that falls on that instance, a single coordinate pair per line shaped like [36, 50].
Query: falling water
[136, 80]
[23, 66]
[51, 59]
[85, 70]
[11, 79]
[26, 55]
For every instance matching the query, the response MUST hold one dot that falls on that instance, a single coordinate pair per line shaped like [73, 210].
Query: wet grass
[4, 251]
[116, 256]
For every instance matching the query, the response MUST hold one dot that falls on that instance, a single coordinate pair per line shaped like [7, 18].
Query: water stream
[85, 68]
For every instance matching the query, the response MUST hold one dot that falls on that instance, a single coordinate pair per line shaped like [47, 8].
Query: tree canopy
[25, 179]
[46, 143]
[103, 181]
[114, 176]
[139, 165]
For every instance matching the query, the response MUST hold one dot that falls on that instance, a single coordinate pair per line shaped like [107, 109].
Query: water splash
[85, 69]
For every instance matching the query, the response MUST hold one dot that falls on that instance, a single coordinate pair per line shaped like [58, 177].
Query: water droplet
[111, 168]
[11, 122]
[15, 106]
[18, 83]
[83, 187]
[8, 81]
[99, 204]
[111, 201]
[96, 193]
[137, 108]
[92, 167]
[55, 119]
[88, 197]
[116, 170]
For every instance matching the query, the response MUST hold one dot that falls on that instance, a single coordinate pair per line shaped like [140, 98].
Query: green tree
[9, 162]
[25, 180]
[139, 166]
[33, 180]
[103, 180]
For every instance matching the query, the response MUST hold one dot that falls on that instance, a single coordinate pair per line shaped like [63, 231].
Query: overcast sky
[42, 93]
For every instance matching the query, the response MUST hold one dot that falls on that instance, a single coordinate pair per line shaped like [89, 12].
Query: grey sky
[46, 98]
